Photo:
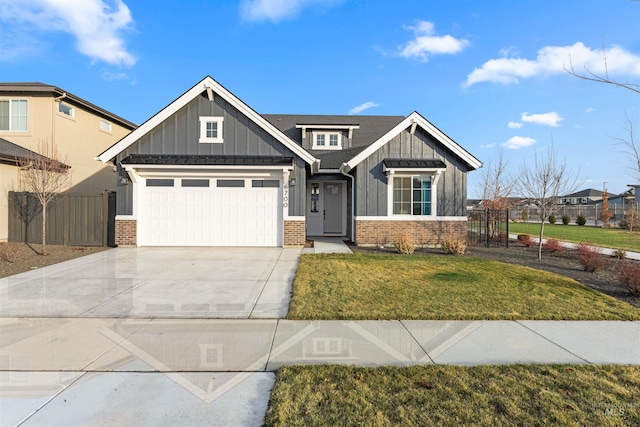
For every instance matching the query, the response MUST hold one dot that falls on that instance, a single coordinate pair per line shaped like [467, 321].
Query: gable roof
[418, 120]
[589, 192]
[205, 84]
[41, 88]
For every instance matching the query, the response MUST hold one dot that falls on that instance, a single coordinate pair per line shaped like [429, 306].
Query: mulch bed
[565, 263]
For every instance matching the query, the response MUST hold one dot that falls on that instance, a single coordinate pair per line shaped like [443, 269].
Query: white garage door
[210, 212]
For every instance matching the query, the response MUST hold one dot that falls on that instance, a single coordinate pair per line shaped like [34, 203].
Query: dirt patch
[565, 263]
[24, 257]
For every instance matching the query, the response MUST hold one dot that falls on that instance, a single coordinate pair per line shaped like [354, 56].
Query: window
[195, 182]
[159, 183]
[230, 183]
[13, 115]
[105, 126]
[273, 183]
[584, 200]
[327, 141]
[211, 129]
[315, 197]
[66, 109]
[412, 195]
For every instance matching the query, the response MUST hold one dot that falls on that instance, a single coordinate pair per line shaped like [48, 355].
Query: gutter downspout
[344, 169]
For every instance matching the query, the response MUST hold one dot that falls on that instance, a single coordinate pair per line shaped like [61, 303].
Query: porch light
[292, 182]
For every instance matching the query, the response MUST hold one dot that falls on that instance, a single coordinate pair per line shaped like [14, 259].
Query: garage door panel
[210, 216]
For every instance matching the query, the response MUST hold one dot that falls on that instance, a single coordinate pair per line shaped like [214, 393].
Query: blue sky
[489, 74]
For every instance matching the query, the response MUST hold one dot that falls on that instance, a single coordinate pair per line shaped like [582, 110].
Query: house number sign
[285, 196]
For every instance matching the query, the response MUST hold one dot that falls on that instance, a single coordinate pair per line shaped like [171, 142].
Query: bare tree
[497, 187]
[631, 148]
[45, 175]
[543, 182]
[601, 78]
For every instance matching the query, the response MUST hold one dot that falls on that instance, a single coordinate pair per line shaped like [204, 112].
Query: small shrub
[525, 240]
[552, 219]
[453, 246]
[620, 254]
[553, 245]
[525, 214]
[9, 252]
[630, 221]
[629, 277]
[566, 219]
[590, 258]
[581, 219]
[404, 244]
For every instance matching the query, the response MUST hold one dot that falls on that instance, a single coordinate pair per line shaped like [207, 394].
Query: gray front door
[332, 208]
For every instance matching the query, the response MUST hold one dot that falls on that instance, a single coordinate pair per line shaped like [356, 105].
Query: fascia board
[427, 126]
[187, 97]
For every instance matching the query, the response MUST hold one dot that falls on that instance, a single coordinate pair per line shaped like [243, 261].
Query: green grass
[531, 395]
[607, 237]
[337, 286]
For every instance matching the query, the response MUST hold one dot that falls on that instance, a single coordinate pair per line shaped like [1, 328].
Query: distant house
[37, 113]
[589, 196]
[208, 170]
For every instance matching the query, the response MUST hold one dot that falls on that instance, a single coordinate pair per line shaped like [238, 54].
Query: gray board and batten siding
[371, 181]
[180, 134]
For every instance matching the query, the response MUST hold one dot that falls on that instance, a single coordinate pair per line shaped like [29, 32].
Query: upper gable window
[66, 109]
[105, 126]
[13, 115]
[211, 129]
[327, 141]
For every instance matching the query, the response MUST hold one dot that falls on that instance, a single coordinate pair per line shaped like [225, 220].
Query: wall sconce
[292, 182]
[123, 180]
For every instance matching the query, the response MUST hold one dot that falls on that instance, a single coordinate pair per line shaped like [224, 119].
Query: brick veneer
[295, 232]
[126, 232]
[429, 233]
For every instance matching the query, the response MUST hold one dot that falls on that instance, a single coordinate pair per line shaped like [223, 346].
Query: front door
[326, 208]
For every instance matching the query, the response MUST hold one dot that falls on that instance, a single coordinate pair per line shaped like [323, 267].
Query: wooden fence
[72, 219]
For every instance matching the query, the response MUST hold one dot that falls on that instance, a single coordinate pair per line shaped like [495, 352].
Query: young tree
[543, 182]
[497, 186]
[45, 175]
[605, 215]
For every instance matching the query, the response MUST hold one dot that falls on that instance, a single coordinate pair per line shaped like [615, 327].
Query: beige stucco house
[36, 113]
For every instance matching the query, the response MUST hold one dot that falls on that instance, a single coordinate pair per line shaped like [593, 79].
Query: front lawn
[525, 395]
[607, 237]
[338, 286]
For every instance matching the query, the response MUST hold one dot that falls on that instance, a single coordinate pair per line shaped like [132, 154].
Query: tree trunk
[540, 239]
[44, 230]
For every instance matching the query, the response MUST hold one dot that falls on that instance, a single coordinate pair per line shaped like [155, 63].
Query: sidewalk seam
[417, 342]
[552, 342]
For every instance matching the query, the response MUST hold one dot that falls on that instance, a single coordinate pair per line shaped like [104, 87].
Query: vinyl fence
[591, 213]
[72, 219]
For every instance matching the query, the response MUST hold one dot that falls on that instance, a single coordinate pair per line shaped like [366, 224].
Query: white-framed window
[105, 126]
[584, 200]
[66, 109]
[412, 195]
[327, 141]
[211, 129]
[14, 115]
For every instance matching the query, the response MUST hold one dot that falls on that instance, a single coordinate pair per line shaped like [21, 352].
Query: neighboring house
[36, 113]
[207, 170]
[583, 197]
[623, 200]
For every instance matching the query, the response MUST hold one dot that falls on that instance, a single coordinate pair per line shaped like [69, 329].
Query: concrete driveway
[157, 283]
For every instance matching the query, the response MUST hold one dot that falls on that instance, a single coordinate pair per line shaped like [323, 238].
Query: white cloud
[545, 119]
[493, 144]
[277, 10]
[97, 25]
[427, 43]
[590, 110]
[514, 125]
[517, 142]
[554, 60]
[360, 108]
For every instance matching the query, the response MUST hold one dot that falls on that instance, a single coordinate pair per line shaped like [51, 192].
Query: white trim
[187, 97]
[412, 171]
[435, 177]
[427, 126]
[204, 121]
[305, 127]
[126, 218]
[411, 218]
[71, 108]
[296, 218]
[327, 138]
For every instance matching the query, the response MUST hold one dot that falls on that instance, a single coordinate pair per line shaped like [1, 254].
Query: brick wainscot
[126, 232]
[294, 232]
[429, 232]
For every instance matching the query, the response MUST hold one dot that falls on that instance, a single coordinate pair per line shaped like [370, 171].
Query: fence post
[486, 227]
[507, 231]
[105, 216]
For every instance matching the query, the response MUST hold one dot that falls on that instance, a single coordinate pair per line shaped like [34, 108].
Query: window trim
[72, 110]
[435, 177]
[11, 128]
[327, 138]
[107, 124]
[204, 120]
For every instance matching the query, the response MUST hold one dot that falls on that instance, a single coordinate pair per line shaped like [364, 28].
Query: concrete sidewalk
[187, 371]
